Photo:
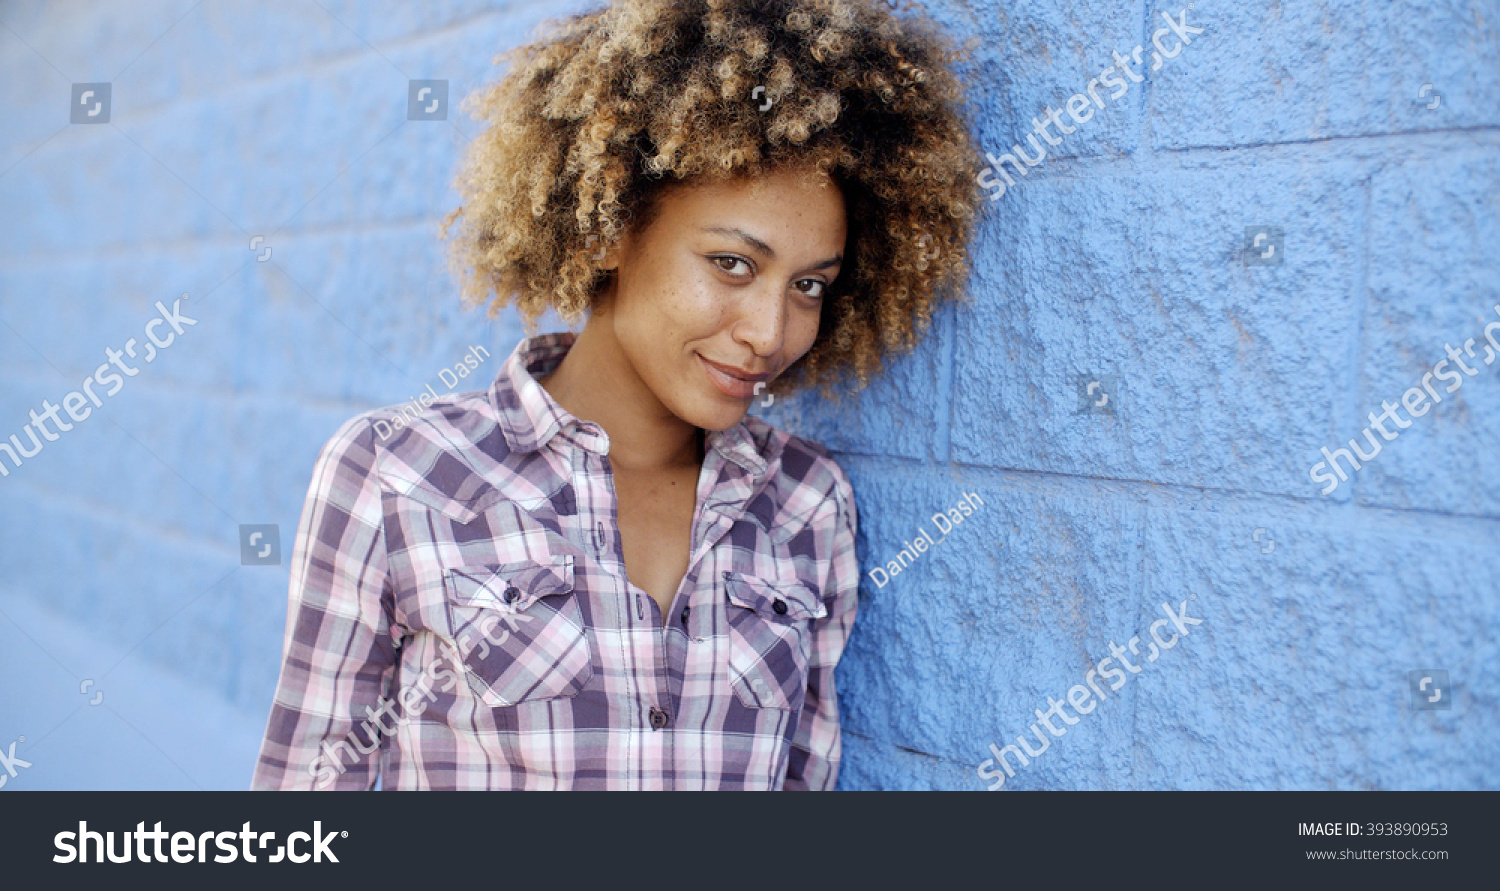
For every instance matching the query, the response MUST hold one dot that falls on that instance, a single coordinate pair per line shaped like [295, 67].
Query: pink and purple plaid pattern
[460, 616]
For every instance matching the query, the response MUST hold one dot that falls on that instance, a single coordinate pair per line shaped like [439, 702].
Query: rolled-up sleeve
[816, 747]
[338, 654]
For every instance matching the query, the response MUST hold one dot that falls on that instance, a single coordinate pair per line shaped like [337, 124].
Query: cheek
[669, 317]
[671, 303]
[696, 306]
[802, 330]
[683, 311]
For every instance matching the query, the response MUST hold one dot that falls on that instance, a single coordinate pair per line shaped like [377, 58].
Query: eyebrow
[764, 248]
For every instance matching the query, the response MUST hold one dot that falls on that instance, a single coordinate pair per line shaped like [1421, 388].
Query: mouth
[736, 383]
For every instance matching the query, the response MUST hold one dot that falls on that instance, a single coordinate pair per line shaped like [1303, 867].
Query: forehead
[805, 195]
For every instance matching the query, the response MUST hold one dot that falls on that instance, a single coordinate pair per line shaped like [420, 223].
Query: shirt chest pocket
[519, 631]
[770, 636]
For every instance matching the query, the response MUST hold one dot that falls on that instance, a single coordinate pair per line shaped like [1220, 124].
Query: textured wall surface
[1367, 133]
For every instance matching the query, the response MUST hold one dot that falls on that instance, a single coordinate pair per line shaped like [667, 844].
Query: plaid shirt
[460, 617]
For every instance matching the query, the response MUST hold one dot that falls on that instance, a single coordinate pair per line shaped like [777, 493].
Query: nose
[761, 320]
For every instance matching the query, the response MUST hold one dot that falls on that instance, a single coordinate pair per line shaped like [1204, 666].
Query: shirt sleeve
[817, 745]
[338, 653]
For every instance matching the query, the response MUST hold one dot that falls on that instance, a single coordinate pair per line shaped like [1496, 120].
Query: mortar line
[1142, 150]
[1144, 489]
[943, 446]
[1355, 386]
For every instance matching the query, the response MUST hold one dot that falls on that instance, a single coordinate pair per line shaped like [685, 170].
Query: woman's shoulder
[444, 446]
[384, 427]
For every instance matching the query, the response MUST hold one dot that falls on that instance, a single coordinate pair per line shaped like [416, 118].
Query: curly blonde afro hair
[591, 123]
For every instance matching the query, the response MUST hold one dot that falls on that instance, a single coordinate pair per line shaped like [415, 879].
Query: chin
[711, 410]
[713, 417]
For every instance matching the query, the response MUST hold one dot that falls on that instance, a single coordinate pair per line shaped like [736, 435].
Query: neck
[596, 382]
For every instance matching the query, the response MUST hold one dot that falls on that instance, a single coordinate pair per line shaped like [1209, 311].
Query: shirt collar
[529, 417]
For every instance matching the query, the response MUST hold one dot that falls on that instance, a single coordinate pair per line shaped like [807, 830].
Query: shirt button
[779, 606]
[728, 575]
[512, 594]
[685, 614]
[658, 719]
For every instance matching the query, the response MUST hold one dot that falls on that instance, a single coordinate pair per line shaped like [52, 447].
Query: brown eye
[717, 260]
[822, 287]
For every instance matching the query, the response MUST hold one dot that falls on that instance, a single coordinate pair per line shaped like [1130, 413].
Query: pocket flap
[797, 599]
[510, 587]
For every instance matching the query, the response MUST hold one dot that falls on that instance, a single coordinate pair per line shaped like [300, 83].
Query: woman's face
[724, 289]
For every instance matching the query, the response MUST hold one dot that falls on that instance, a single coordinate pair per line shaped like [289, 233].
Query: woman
[600, 572]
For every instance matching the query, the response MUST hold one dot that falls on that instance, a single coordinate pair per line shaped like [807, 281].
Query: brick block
[1228, 374]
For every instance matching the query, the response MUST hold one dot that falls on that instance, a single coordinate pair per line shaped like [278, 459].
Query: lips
[736, 383]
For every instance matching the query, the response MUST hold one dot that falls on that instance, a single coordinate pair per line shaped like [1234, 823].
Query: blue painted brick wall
[1121, 254]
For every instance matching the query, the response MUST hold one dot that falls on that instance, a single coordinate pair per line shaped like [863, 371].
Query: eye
[822, 287]
[718, 259]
